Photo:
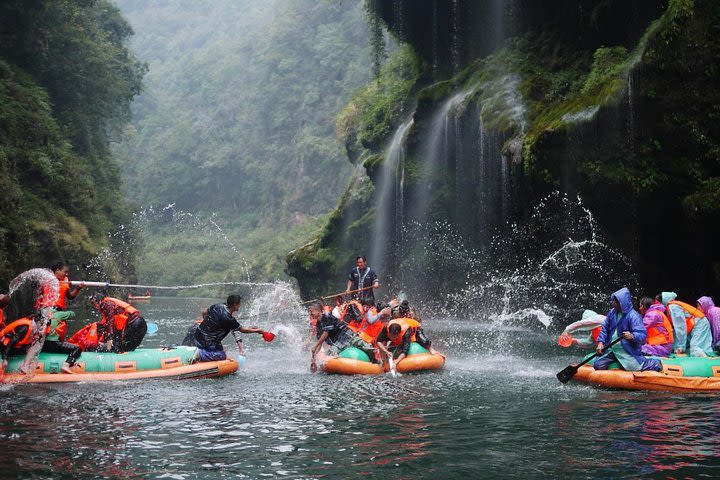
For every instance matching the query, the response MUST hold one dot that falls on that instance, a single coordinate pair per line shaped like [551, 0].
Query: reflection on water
[496, 411]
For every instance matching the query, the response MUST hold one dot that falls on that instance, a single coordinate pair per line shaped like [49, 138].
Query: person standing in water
[623, 321]
[360, 277]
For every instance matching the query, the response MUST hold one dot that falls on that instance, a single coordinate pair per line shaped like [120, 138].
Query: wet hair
[368, 302]
[658, 297]
[97, 297]
[317, 305]
[646, 302]
[395, 328]
[58, 266]
[233, 300]
[359, 257]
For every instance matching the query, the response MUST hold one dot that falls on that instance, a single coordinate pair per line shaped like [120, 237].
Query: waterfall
[387, 227]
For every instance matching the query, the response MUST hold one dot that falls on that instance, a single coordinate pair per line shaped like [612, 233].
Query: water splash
[582, 116]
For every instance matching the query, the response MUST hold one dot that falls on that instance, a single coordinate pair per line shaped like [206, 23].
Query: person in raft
[584, 332]
[692, 333]
[189, 340]
[623, 321]
[218, 324]
[397, 336]
[659, 328]
[362, 276]
[121, 328]
[337, 335]
[712, 313]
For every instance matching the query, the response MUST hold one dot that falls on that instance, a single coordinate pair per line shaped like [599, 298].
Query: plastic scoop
[152, 328]
[268, 336]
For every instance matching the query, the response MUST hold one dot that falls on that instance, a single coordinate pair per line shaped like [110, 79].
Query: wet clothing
[411, 332]
[691, 329]
[627, 352]
[121, 323]
[71, 349]
[189, 340]
[586, 330]
[212, 330]
[363, 279]
[660, 333]
[16, 336]
[339, 334]
[712, 313]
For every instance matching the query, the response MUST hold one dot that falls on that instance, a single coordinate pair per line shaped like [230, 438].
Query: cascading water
[389, 184]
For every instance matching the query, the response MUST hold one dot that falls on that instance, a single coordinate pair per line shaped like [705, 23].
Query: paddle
[337, 294]
[569, 372]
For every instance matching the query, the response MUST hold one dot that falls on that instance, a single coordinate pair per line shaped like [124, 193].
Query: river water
[496, 411]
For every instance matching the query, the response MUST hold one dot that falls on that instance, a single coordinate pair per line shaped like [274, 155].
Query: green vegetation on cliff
[66, 82]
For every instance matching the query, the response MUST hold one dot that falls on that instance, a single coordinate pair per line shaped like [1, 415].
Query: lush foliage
[66, 81]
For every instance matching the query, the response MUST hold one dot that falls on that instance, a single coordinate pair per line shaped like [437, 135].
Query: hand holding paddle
[569, 372]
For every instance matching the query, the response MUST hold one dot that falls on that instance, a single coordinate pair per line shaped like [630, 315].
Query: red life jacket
[692, 314]
[2, 318]
[7, 332]
[353, 324]
[120, 319]
[87, 337]
[405, 324]
[595, 332]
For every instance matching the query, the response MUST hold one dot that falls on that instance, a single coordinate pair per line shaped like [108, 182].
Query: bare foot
[66, 368]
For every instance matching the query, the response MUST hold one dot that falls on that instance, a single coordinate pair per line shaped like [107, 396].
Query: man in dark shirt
[361, 277]
[216, 326]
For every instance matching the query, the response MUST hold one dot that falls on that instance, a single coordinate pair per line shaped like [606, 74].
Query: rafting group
[666, 335]
[366, 337]
[114, 339]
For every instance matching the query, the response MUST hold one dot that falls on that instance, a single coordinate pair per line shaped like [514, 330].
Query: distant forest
[66, 85]
[232, 150]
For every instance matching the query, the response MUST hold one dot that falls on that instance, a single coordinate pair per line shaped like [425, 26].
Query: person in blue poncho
[623, 321]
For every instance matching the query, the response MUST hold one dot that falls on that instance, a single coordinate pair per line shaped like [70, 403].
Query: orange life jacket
[595, 332]
[353, 325]
[60, 330]
[405, 324]
[369, 332]
[120, 319]
[64, 286]
[692, 314]
[656, 337]
[9, 330]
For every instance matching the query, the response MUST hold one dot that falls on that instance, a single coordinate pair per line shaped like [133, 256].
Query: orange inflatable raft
[353, 361]
[679, 374]
[143, 363]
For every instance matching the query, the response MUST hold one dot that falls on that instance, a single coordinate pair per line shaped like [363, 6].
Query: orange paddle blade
[565, 340]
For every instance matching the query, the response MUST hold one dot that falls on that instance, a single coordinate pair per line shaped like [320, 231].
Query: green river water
[496, 411]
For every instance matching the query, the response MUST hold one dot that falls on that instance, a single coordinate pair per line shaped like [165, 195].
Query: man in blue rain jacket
[623, 321]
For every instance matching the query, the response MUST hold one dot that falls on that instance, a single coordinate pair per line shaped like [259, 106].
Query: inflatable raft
[353, 361]
[139, 364]
[680, 374]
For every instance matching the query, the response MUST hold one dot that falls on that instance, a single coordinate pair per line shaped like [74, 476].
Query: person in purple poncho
[659, 342]
[712, 313]
[624, 321]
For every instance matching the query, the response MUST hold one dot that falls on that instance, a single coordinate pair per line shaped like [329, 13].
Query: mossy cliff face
[565, 99]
